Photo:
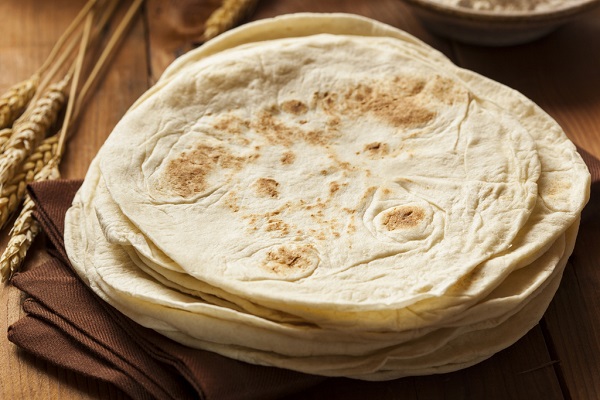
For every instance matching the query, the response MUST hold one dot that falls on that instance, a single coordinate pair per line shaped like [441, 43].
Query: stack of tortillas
[327, 194]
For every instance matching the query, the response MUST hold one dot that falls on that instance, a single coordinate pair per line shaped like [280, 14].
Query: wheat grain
[229, 14]
[5, 134]
[15, 100]
[21, 237]
[27, 133]
[13, 192]
[25, 228]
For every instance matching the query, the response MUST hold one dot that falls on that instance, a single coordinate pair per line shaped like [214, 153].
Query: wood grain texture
[558, 359]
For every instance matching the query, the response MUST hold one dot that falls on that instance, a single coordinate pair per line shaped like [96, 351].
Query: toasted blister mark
[285, 259]
[295, 107]
[277, 225]
[288, 158]
[403, 217]
[397, 215]
[276, 131]
[232, 124]
[406, 102]
[556, 191]
[267, 187]
[333, 188]
[446, 91]
[403, 101]
[376, 149]
[187, 174]
[410, 86]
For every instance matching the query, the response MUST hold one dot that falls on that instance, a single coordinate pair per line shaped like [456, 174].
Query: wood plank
[525, 369]
[573, 319]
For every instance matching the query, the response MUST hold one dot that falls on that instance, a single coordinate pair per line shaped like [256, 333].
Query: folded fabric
[66, 324]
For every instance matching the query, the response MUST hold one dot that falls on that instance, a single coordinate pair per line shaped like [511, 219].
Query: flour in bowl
[510, 5]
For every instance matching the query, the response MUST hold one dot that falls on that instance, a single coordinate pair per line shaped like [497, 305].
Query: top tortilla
[384, 172]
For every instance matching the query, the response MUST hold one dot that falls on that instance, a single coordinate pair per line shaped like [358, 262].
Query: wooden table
[559, 358]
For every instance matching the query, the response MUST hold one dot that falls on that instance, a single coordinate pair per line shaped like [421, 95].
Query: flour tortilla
[333, 204]
[527, 245]
[118, 280]
[425, 355]
[518, 285]
[552, 175]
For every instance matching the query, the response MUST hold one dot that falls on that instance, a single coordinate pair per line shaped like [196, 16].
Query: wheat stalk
[230, 13]
[25, 228]
[15, 100]
[29, 132]
[43, 163]
[13, 192]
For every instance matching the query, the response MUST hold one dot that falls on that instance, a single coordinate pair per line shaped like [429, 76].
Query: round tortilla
[346, 204]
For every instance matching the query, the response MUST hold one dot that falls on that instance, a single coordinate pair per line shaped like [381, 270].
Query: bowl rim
[483, 15]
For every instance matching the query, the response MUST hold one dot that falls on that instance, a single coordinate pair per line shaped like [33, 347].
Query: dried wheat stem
[13, 192]
[106, 53]
[15, 100]
[29, 132]
[66, 35]
[78, 65]
[230, 13]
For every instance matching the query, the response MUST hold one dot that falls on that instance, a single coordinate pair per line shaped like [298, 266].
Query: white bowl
[495, 28]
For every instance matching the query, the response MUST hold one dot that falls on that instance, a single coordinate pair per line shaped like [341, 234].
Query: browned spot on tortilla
[286, 259]
[186, 175]
[409, 86]
[288, 158]
[404, 113]
[272, 129]
[275, 131]
[404, 101]
[334, 122]
[555, 187]
[395, 103]
[377, 149]
[277, 225]
[231, 124]
[295, 107]
[445, 90]
[267, 187]
[231, 201]
[403, 217]
[333, 187]
[315, 137]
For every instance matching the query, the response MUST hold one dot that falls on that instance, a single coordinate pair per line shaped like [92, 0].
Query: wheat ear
[14, 191]
[25, 229]
[29, 132]
[229, 14]
[15, 100]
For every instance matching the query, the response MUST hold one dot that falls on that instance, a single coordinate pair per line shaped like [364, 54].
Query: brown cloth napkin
[68, 325]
